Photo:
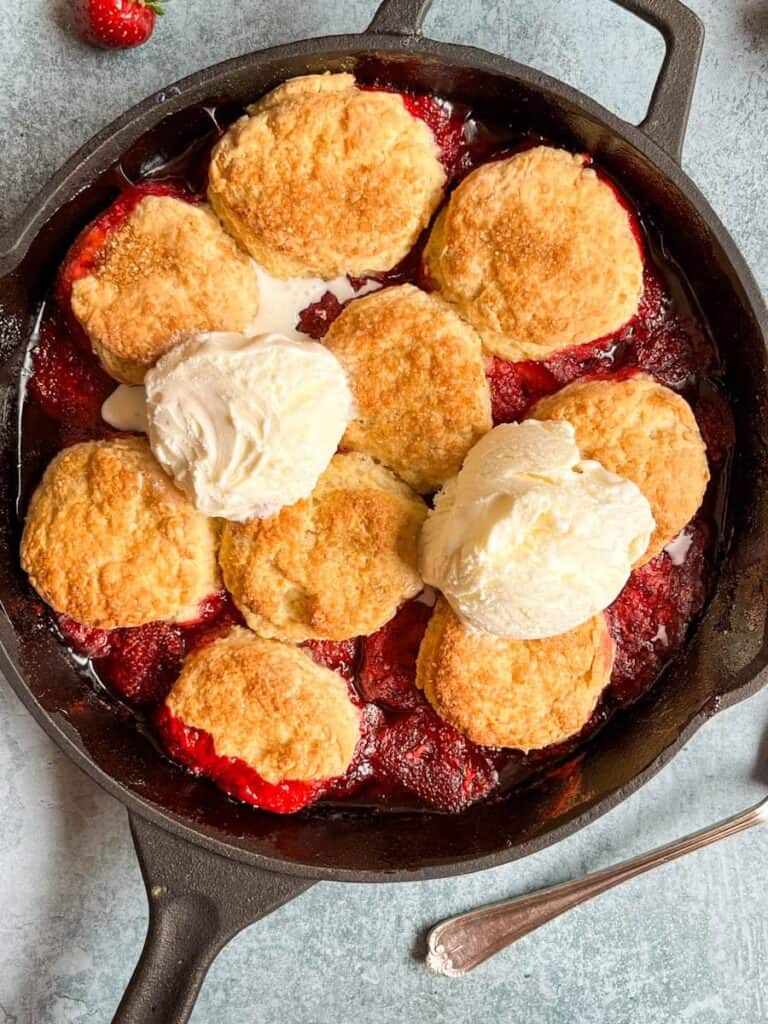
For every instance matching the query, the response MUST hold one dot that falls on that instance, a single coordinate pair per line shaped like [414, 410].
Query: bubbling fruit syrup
[407, 755]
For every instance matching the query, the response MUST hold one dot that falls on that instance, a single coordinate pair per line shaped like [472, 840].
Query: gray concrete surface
[688, 944]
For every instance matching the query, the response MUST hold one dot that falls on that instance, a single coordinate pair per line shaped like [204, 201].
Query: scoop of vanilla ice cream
[529, 540]
[246, 425]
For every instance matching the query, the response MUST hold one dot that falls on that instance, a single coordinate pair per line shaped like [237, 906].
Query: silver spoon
[459, 944]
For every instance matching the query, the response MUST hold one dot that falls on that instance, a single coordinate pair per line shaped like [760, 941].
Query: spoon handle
[458, 944]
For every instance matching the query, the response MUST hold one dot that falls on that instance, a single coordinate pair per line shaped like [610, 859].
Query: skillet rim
[98, 153]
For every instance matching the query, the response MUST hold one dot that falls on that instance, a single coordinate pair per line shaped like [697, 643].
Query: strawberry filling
[195, 749]
[716, 424]
[317, 318]
[140, 663]
[338, 655]
[448, 126]
[388, 669]
[428, 758]
[67, 382]
[650, 616]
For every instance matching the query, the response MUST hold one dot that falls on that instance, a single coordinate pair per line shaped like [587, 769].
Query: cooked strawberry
[516, 386]
[430, 759]
[93, 643]
[143, 661]
[388, 672]
[195, 749]
[448, 126]
[337, 655]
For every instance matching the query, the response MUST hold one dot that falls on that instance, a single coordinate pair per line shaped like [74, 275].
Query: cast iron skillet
[212, 866]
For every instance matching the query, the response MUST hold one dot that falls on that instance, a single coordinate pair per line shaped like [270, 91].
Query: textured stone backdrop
[687, 944]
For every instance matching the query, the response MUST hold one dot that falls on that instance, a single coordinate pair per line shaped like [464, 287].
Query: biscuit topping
[538, 252]
[270, 705]
[110, 542]
[416, 371]
[529, 541]
[334, 566]
[524, 694]
[167, 269]
[322, 178]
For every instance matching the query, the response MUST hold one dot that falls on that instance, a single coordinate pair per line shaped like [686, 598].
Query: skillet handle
[683, 33]
[400, 17]
[198, 901]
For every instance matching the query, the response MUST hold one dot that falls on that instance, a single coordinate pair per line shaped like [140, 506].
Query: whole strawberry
[115, 24]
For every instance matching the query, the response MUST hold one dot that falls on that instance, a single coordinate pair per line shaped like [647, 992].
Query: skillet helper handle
[198, 901]
[683, 33]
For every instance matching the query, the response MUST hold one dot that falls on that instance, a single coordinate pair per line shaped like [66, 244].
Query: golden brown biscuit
[416, 371]
[169, 269]
[644, 432]
[323, 178]
[333, 566]
[538, 253]
[269, 704]
[111, 542]
[524, 694]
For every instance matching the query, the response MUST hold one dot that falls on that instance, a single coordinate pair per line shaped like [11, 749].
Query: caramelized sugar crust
[524, 694]
[322, 178]
[645, 432]
[169, 269]
[417, 374]
[270, 705]
[333, 566]
[538, 253]
[110, 541]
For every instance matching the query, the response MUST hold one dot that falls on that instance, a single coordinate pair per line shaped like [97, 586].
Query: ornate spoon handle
[457, 945]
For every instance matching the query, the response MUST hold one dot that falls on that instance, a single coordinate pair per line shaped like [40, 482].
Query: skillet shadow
[754, 22]
[760, 767]
[60, 13]
[89, 842]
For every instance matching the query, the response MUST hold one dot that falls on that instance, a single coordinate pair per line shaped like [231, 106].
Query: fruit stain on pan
[411, 759]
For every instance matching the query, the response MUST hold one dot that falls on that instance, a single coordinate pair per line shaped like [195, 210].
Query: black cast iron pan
[212, 866]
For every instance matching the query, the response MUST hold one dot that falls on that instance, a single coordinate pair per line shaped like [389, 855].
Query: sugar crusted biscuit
[524, 694]
[322, 178]
[333, 566]
[169, 269]
[644, 432]
[111, 542]
[538, 253]
[270, 705]
[417, 374]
